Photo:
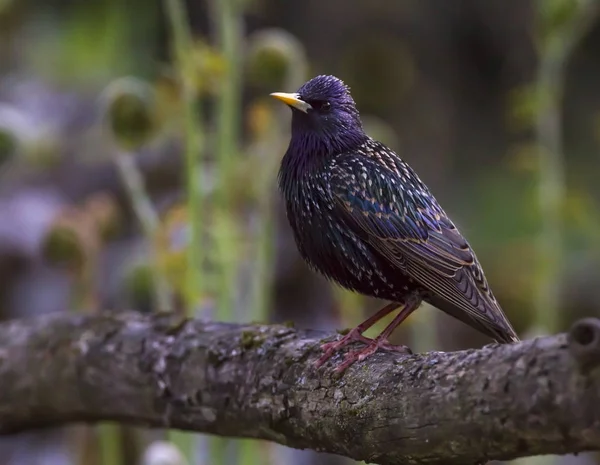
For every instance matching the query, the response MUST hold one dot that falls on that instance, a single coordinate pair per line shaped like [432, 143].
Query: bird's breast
[334, 250]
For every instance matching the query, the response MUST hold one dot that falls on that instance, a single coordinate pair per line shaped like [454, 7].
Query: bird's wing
[383, 199]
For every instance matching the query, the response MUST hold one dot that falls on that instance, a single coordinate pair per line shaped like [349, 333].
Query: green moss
[353, 412]
[289, 324]
[251, 340]
[343, 332]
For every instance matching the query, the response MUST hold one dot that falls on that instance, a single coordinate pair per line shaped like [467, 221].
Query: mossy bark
[497, 402]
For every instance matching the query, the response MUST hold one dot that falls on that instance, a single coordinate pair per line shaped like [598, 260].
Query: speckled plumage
[362, 217]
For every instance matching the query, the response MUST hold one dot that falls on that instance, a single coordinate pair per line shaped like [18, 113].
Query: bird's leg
[355, 335]
[381, 341]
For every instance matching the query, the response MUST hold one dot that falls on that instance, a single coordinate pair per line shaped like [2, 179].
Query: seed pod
[71, 240]
[276, 59]
[129, 107]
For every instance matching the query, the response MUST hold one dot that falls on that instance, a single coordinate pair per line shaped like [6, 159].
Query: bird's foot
[331, 348]
[375, 345]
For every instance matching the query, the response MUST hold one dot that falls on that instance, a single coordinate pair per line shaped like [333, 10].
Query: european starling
[362, 217]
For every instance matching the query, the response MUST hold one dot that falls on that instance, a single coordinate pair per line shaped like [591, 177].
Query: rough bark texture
[499, 402]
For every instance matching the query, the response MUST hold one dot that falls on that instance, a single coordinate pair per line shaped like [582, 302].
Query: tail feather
[500, 330]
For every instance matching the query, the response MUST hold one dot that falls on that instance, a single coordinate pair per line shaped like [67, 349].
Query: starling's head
[324, 115]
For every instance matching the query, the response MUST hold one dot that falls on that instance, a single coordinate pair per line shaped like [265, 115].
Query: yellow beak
[293, 100]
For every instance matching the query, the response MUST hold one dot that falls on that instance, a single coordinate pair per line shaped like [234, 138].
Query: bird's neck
[309, 150]
[298, 164]
[308, 154]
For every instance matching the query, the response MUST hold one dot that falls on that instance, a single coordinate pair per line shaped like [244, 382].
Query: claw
[330, 348]
[374, 346]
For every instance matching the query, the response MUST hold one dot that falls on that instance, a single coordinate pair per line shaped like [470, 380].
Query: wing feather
[395, 212]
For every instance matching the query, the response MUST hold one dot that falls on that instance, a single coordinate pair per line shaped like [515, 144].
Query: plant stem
[554, 57]
[109, 436]
[182, 46]
[229, 30]
[146, 215]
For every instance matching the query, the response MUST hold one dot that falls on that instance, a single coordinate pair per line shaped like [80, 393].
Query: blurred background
[139, 152]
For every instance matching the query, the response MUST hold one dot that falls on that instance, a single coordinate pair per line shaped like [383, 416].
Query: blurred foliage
[5, 5]
[382, 59]
[554, 16]
[8, 146]
[130, 112]
[275, 59]
[12, 128]
[79, 231]
[268, 66]
[172, 242]
[139, 283]
[93, 42]
[524, 105]
[204, 67]
[65, 244]
[103, 210]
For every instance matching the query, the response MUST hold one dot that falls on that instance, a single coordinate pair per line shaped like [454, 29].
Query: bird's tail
[497, 327]
[503, 333]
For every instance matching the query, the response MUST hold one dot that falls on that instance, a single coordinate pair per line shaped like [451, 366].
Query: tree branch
[499, 402]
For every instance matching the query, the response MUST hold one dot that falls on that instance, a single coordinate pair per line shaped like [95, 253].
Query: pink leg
[355, 335]
[381, 341]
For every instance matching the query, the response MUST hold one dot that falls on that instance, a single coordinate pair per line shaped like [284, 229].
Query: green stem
[229, 35]
[109, 435]
[263, 228]
[262, 278]
[229, 28]
[551, 192]
[182, 46]
[551, 75]
[146, 215]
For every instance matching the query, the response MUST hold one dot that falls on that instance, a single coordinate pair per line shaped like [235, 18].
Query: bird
[362, 218]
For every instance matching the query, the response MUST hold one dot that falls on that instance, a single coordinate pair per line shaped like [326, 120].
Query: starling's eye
[320, 105]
